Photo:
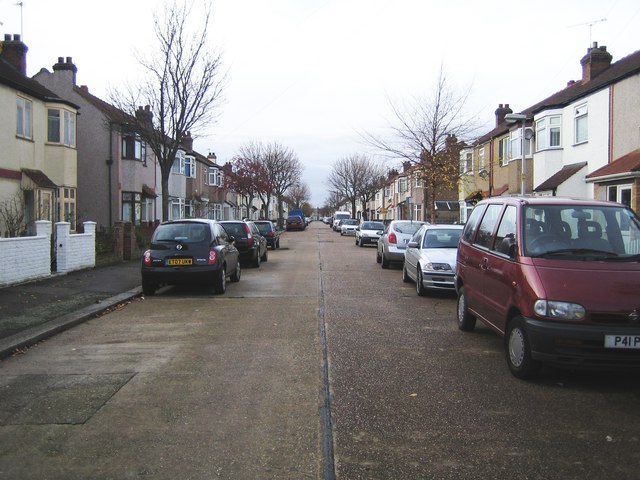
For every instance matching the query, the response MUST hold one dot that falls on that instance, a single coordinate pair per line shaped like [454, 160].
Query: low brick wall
[26, 258]
[29, 258]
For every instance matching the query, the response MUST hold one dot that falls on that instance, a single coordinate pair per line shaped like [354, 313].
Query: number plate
[174, 262]
[622, 341]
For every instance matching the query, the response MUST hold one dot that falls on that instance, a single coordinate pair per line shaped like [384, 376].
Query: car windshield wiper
[600, 254]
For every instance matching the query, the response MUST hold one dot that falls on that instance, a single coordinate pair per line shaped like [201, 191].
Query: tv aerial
[590, 24]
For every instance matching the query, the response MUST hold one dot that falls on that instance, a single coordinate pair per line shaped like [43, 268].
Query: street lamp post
[522, 118]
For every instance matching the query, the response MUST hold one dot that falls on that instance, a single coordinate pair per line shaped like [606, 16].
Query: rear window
[264, 227]
[407, 227]
[294, 219]
[183, 233]
[235, 229]
[372, 226]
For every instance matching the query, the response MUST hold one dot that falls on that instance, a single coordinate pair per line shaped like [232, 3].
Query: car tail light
[392, 238]
[249, 237]
[147, 258]
[269, 234]
[213, 256]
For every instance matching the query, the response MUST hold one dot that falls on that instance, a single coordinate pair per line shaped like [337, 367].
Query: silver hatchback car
[393, 242]
[430, 258]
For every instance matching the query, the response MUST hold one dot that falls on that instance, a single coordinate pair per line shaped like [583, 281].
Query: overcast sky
[314, 74]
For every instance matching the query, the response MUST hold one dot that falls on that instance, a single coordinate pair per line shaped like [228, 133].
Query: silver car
[368, 232]
[393, 242]
[430, 257]
[348, 227]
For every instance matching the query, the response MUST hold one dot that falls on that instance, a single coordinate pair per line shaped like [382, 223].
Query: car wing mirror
[413, 245]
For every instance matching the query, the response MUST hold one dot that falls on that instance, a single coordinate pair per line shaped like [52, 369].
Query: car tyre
[378, 257]
[235, 277]
[384, 261]
[256, 260]
[405, 275]
[420, 290]
[264, 257]
[149, 288]
[518, 350]
[466, 321]
[220, 281]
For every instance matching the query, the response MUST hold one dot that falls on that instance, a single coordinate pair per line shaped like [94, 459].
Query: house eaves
[558, 178]
[627, 166]
[12, 78]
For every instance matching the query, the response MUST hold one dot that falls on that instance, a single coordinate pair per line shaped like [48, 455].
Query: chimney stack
[14, 52]
[596, 61]
[187, 142]
[66, 68]
[145, 116]
[501, 111]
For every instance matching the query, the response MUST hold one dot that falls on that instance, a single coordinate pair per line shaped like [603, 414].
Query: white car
[348, 227]
[368, 233]
[430, 258]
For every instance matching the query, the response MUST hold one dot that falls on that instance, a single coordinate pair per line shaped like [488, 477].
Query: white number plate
[622, 341]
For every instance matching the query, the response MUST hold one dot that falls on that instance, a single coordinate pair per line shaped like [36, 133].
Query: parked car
[295, 222]
[394, 239]
[269, 232]
[195, 251]
[338, 216]
[368, 233]
[557, 278]
[430, 258]
[348, 227]
[248, 240]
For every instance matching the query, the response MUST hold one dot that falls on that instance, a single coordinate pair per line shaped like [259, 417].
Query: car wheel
[277, 243]
[405, 275]
[378, 257]
[384, 261]
[148, 287]
[264, 257]
[235, 277]
[220, 281]
[518, 350]
[420, 290]
[256, 260]
[466, 321]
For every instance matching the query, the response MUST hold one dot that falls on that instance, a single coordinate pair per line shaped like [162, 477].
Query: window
[620, 194]
[177, 208]
[503, 151]
[68, 206]
[131, 207]
[133, 148]
[215, 177]
[506, 235]
[467, 162]
[581, 126]
[418, 183]
[515, 145]
[485, 230]
[402, 185]
[24, 118]
[61, 127]
[480, 158]
[470, 226]
[548, 132]
[189, 167]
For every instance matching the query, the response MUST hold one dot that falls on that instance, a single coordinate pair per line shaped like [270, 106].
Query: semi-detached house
[38, 158]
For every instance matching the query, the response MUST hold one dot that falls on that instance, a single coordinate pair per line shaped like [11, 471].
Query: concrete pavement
[31, 312]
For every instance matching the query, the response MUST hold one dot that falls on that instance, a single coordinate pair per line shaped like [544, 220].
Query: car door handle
[484, 265]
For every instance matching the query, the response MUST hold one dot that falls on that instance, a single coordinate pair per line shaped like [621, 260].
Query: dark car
[196, 251]
[295, 222]
[269, 232]
[248, 240]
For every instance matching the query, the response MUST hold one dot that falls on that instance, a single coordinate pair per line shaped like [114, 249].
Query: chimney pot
[14, 52]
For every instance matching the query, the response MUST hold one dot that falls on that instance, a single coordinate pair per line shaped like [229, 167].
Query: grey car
[368, 233]
[430, 258]
[393, 242]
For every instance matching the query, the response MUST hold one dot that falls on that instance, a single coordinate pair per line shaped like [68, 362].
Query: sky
[316, 75]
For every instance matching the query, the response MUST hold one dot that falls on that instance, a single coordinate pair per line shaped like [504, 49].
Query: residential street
[186, 384]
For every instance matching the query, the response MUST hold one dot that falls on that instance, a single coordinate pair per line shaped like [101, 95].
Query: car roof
[189, 220]
[540, 200]
[442, 226]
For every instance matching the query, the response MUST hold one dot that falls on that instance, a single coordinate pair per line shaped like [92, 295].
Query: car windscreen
[264, 227]
[407, 227]
[445, 238]
[182, 233]
[236, 230]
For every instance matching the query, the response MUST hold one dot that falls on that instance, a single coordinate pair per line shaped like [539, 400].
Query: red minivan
[558, 278]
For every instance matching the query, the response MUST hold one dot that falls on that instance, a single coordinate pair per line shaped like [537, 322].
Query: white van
[337, 217]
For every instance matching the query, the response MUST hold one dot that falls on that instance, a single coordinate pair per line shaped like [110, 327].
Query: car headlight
[559, 310]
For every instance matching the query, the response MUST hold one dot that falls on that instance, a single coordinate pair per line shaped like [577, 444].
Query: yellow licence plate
[174, 262]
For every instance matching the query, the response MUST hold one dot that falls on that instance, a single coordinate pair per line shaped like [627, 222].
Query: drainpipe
[109, 164]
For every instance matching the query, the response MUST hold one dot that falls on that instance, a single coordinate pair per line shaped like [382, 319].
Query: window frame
[24, 117]
[581, 124]
[66, 127]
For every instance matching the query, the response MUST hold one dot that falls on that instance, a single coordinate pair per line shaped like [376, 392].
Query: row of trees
[428, 133]
[266, 170]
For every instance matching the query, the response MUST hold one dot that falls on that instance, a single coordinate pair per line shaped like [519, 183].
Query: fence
[29, 258]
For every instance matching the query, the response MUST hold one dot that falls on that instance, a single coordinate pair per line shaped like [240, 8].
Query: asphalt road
[191, 385]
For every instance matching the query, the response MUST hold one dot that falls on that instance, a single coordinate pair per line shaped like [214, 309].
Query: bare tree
[12, 215]
[428, 135]
[356, 178]
[299, 194]
[182, 88]
[283, 171]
